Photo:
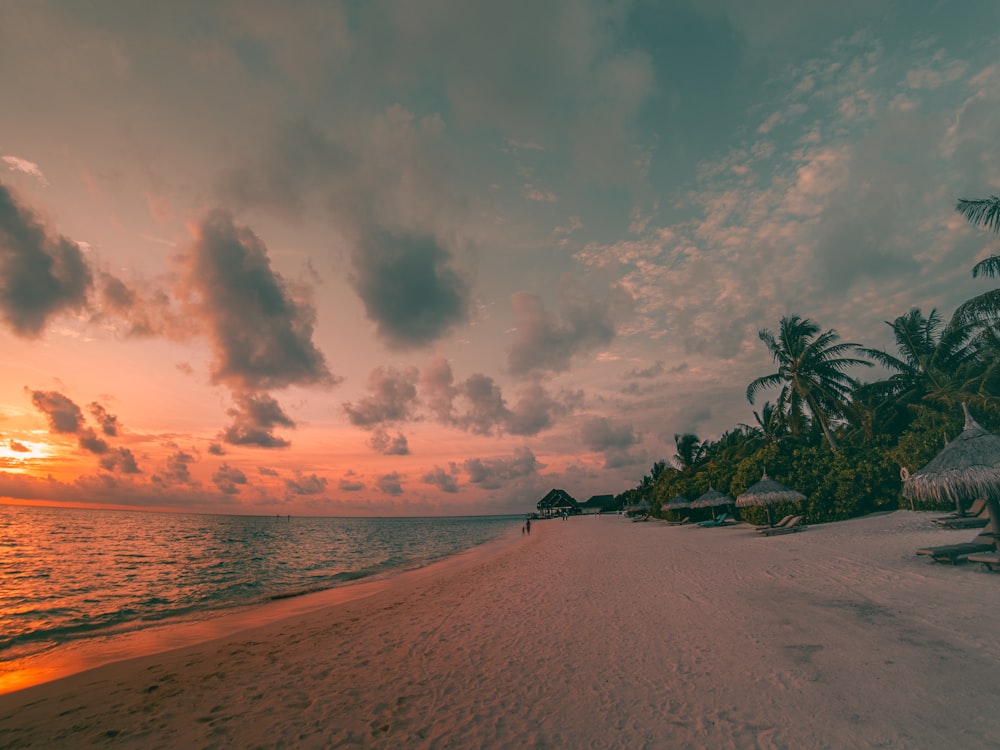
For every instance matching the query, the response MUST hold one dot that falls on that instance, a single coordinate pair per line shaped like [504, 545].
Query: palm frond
[989, 267]
[981, 212]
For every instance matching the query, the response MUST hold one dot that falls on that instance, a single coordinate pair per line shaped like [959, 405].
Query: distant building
[600, 504]
[556, 503]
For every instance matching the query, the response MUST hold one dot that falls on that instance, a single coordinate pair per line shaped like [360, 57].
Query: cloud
[390, 483]
[255, 416]
[216, 449]
[227, 478]
[393, 395]
[350, 482]
[547, 342]
[266, 471]
[441, 479]
[387, 445]
[41, 276]
[409, 286]
[176, 470]
[494, 473]
[16, 164]
[89, 441]
[107, 422]
[477, 404]
[64, 416]
[310, 484]
[18, 447]
[120, 460]
[260, 326]
[615, 441]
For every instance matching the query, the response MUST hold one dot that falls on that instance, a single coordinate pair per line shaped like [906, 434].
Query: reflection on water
[70, 573]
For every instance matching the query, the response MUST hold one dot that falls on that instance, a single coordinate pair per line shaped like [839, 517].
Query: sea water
[67, 574]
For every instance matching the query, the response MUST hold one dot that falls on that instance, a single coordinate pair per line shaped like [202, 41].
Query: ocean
[71, 574]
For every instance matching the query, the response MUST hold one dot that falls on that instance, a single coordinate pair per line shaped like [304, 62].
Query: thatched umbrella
[712, 499]
[678, 503]
[767, 492]
[967, 467]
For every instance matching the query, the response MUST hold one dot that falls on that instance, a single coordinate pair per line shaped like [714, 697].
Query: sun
[17, 455]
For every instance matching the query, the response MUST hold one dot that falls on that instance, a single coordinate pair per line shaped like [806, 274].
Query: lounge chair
[719, 520]
[784, 521]
[796, 523]
[985, 541]
[966, 522]
[978, 508]
[989, 560]
[686, 519]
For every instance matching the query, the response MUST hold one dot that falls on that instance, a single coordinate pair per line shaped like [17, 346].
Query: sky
[434, 257]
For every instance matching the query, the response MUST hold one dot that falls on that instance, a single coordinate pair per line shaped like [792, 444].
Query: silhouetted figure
[527, 526]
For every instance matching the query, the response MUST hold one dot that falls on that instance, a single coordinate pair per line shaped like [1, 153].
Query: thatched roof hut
[966, 468]
[712, 499]
[557, 502]
[679, 502]
[767, 492]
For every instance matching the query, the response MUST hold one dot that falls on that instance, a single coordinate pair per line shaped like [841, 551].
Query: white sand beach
[591, 633]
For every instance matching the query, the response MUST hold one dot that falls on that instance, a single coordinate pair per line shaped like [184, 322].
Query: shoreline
[590, 633]
[84, 654]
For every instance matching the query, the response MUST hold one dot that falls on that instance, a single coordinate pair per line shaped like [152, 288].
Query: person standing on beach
[527, 526]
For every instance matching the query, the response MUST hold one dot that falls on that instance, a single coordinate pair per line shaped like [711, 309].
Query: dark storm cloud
[393, 395]
[227, 478]
[106, 421]
[494, 473]
[121, 461]
[441, 479]
[390, 483]
[63, 415]
[388, 445]
[261, 331]
[255, 416]
[40, 275]
[409, 285]
[548, 342]
[306, 485]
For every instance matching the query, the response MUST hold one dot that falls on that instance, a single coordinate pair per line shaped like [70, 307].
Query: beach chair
[989, 560]
[780, 524]
[976, 521]
[978, 508]
[719, 520]
[985, 541]
[795, 524]
[686, 519]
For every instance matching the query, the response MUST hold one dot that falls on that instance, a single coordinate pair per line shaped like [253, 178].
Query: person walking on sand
[527, 526]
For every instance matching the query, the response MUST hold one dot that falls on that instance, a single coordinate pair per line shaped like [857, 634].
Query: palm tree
[690, 451]
[810, 372]
[931, 360]
[982, 212]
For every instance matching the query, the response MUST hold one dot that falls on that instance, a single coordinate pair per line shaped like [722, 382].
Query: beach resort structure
[599, 504]
[557, 503]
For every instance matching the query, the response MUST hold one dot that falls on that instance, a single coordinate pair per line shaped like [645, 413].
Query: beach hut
[966, 468]
[767, 492]
[679, 502]
[557, 503]
[712, 499]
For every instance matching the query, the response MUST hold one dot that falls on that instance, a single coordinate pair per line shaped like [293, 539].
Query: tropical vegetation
[840, 441]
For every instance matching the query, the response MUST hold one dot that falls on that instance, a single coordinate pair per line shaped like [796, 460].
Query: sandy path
[591, 633]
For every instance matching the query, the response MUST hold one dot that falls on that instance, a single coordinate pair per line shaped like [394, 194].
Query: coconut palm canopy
[767, 492]
[967, 467]
[679, 502]
[712, 499]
